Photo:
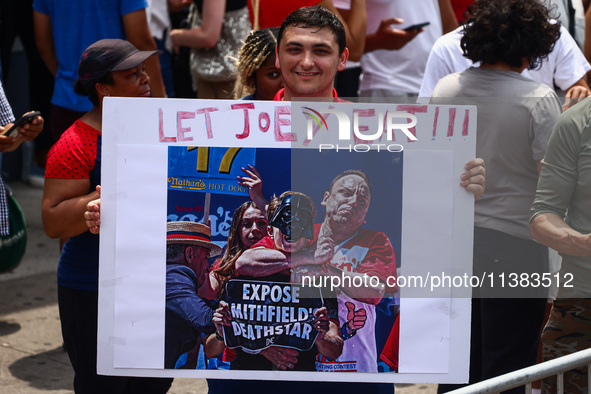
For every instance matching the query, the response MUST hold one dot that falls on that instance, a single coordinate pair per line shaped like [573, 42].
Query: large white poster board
[436, 219]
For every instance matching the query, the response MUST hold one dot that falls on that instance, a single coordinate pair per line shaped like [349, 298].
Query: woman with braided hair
[258, 78]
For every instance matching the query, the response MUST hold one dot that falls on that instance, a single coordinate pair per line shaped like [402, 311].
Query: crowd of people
[522, 54]
[200, 42]
[346, 330]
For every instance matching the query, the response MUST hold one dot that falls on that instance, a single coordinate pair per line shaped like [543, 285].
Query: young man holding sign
[311, 49]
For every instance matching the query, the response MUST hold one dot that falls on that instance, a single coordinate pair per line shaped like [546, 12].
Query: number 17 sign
[208, 169]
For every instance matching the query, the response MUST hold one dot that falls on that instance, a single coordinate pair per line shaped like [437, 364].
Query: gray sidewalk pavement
[32, 360]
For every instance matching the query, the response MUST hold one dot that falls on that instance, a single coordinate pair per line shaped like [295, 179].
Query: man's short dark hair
[175, 251]
[508, 31]
[359, 173]
[315, 16]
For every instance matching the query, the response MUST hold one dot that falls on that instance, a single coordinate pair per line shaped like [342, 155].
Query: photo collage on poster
[268, 310]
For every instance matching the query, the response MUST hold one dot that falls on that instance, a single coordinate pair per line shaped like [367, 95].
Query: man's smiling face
[309, 58]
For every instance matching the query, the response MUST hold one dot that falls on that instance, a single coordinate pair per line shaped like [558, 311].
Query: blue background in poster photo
[273, 165]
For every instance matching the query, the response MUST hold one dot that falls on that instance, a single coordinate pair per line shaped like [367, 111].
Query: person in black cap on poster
[109, 67]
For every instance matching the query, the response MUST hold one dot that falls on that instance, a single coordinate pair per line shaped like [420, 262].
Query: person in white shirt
[564, 68]
[394, 59]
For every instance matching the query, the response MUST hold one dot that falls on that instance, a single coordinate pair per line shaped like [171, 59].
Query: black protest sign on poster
[271, 313]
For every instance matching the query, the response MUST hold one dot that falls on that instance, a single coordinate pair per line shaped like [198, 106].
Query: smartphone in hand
[416, 26]
[13, 131]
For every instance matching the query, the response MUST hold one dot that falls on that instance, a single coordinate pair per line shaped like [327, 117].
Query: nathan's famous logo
[188, 184]
[383, 122]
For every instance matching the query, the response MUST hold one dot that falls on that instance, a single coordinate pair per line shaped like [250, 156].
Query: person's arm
[551, 230]
[378, 262]
[556, 190]
[210, 287]
[371, 292]
[208, 33]
[186, 304]
[27, 132]
[576, 93]
[63, 206]
[138, 33]
[262, 262]
[355, 23]
[213, 347]
[448, 18]
[328, 341]
[367, 293]
[254, 183]
[387, 37]
[44, 40]
[7, 144]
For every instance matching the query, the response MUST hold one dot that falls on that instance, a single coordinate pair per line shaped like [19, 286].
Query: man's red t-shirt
[279, 95]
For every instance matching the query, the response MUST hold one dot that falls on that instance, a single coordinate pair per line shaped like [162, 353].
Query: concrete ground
[32, 360]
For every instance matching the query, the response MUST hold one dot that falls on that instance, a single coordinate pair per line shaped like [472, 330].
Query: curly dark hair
[315, 16]
[509, 31]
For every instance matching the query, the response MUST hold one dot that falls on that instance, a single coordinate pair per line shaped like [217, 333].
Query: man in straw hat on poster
[188, 316]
